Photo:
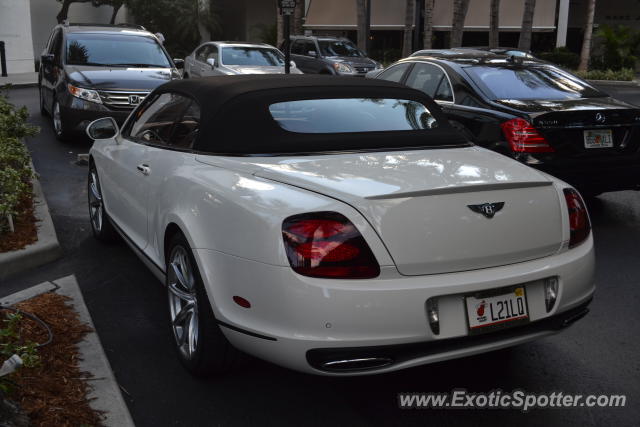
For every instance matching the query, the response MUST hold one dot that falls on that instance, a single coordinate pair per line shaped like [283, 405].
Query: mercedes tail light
[327, 245]
[579, 223]
[524, 138]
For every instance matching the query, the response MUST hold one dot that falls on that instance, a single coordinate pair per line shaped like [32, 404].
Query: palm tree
[527, 25]
[298, 17]
[428, 23]
[408, 28]
[460, 8]
[494, 24]
[362, 23]
[585, 53]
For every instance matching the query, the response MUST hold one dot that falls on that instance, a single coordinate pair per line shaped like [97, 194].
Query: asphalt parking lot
[598, 355]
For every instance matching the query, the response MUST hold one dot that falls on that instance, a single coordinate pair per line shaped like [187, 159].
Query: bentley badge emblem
[487, 209]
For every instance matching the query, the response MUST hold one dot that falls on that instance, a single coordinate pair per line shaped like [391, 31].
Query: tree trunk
[114, 14]
[524, 43]
[585, 53]
[408, 29]
[279, 26]
[298, 18]
[494, 24]
[363, 31]
[428, 23]
[460, 8]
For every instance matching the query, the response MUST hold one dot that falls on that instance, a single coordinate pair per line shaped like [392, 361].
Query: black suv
[330, 55]
[88, 71]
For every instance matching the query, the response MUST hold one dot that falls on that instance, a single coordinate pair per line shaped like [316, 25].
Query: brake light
[524, 138]
[579, 223]
[327, 245]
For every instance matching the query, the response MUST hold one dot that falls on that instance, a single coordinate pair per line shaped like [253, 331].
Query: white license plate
[598, 138]
[497, 311]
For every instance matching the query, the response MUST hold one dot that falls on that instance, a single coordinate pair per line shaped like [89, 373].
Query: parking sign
[287, 7]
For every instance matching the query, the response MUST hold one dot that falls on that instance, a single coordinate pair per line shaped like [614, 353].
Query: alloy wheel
[95, 202]
[183, 303]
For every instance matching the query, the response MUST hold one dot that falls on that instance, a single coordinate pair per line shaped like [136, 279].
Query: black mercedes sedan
[534, 112]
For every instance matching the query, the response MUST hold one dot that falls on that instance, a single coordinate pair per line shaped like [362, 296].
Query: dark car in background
[330, 55]
[534, 112]
[88, 71]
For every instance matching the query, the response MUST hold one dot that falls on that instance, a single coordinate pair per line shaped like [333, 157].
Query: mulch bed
[26, 231]
[54, 393]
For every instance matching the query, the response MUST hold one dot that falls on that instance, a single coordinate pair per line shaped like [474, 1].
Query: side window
[431, 80]
[310, 46]
[201, 53]
[186, 129]
[298, 47]
[156, 123]
[212, 52]
[56, 48]
[395, 73]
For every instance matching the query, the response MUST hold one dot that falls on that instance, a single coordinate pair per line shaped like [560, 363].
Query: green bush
[618, 48]
[15, 171]
[561, 56]
[626, 74]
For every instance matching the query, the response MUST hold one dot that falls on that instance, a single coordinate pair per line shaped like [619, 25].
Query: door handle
[144, 169]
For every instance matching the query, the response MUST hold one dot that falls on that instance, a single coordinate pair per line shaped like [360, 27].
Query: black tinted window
[115, 50]
[352, 115]
[539, 82]
[395, 73]
[154, 124]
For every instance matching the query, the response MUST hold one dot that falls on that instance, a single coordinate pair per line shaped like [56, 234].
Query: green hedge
[15, 172]
[626, 74]
[561, 56]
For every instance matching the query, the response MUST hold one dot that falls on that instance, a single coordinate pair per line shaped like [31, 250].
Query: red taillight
[328, 245]
[524, 138]
[579, 224]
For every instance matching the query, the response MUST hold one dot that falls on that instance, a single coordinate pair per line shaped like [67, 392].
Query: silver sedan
[230, 58]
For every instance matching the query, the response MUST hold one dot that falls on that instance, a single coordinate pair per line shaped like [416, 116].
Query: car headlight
[342, 68]
[86, 94]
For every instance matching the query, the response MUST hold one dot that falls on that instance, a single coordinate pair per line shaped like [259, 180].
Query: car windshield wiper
[139, 65]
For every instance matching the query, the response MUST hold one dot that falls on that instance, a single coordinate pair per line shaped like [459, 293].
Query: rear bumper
[299, 322]
[597, 177]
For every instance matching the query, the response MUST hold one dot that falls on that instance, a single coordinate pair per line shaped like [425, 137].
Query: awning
[389, 15]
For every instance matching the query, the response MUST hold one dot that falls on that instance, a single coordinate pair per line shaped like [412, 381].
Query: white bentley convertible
[335, 226]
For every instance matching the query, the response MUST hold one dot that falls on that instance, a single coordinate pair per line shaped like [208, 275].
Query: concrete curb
[105, 394]
[19, 85]
[45, 250]
[105, 391]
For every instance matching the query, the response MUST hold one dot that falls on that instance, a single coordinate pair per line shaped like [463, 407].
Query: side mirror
[103, 128]
[179, 63]
[47, 58]
[212, 62]
[312, 53]
[292, 64]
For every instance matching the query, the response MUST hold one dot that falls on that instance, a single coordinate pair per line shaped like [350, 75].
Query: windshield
[115, 50]
[530, 83]
[352, 115]
[339, 48]
[252, 56]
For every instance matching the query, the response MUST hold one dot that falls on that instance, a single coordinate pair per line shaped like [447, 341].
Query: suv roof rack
[89, 24]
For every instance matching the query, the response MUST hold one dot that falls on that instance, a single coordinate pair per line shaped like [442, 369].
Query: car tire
[58, 124]
[101, 224]
[201, 346]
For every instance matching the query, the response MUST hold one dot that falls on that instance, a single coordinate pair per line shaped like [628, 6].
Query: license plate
[598, 138]
[497, 311]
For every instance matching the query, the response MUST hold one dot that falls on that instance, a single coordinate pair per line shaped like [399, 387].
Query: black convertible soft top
[235, 117]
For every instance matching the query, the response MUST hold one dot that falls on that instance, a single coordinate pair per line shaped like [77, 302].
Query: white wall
[15, 31]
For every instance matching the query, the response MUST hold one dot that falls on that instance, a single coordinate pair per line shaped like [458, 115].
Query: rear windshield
[352, 115]
[115, 50]
[530, 83]
[251, 56]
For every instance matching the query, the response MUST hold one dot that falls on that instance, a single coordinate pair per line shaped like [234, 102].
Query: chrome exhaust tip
[359, 364]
